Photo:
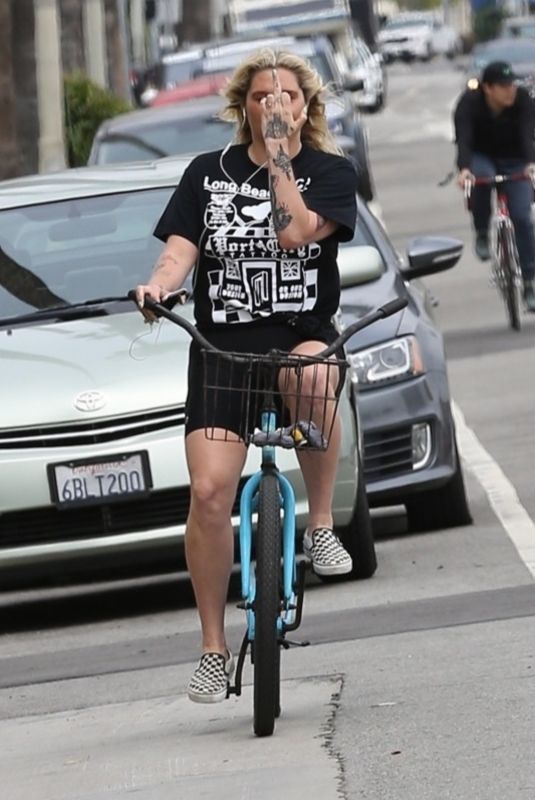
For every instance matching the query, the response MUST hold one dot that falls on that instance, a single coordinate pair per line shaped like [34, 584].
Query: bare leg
[215, 469]
[319, 468]
[319, 475]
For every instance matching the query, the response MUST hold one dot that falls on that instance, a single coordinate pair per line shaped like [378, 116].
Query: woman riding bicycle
[260, 221]
[494, 127]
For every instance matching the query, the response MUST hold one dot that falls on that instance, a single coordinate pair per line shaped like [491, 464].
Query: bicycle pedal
[287, 643]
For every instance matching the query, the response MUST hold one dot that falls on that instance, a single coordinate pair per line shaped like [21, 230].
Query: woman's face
[261, 86]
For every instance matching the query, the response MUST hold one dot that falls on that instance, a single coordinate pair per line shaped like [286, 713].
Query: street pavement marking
[500, 491]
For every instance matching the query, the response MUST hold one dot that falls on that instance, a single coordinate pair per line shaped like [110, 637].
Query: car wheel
[379, 102]
[357, 538]
[445, 507]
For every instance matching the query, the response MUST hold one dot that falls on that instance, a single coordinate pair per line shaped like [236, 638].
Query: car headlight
[397, 360]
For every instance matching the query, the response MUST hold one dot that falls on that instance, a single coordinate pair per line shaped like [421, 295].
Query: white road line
[501, 493]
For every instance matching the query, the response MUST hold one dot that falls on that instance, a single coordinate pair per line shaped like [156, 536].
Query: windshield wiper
[88, 308]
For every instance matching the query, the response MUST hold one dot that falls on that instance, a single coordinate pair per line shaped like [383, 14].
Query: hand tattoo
[276, 128]
[283, 162]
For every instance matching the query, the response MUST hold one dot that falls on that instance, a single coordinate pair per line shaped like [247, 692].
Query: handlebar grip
[393, 306]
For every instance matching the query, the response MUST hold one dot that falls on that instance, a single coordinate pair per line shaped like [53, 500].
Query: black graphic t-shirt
[222, 205]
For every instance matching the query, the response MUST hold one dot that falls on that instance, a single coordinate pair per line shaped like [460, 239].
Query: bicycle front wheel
[267, 605]
[509, 276]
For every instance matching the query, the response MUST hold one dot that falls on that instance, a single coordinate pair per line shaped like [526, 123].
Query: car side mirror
[427, 255]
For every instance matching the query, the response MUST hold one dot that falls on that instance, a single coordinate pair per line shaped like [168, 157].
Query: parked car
[410, 450]
[445, 39]
[518, 27]
[370, 69]
[520, 53]
[92, 464]
[201, 86]
[173, 70]
[406, 37]
[222, 57]
[184, 128]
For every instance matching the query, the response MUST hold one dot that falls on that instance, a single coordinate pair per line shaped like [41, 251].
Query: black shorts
[214, 409]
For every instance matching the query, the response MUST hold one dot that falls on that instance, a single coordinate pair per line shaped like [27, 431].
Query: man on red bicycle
[494, 127]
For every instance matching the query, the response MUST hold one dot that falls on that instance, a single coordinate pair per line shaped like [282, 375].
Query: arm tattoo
[283, 162]
[279, 211]
[281, 217]
[276, 128]
[163, 258]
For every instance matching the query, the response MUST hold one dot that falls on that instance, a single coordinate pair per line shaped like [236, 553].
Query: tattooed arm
[294, 223]
[170, 271]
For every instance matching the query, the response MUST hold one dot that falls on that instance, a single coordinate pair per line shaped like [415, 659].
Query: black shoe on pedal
[482, 245]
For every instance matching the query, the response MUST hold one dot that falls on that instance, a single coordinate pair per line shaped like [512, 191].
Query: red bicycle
[505, 265]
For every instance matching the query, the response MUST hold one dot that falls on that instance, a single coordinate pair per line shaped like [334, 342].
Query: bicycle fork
[293, 574]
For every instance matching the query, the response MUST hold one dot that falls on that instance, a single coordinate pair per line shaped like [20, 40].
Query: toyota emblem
[89, 401]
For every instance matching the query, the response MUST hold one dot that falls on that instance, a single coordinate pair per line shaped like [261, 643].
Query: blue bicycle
[272, 580]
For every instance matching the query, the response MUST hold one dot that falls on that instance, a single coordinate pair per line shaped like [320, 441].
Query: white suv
[407, 37]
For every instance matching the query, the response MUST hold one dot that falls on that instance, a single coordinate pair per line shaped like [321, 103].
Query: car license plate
[97, 481]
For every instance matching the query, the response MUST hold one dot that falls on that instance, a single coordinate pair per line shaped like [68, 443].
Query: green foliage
[86, 106]
[487, 22]
[421, 5]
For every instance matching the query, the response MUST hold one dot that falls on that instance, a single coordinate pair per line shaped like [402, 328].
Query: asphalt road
[416, 683]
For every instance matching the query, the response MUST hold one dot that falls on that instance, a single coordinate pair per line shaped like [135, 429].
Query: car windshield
[177, 72]
[59, 253]
[404, 23]
[514, 29]
[506, 51]
[226, 62]
[176, 137]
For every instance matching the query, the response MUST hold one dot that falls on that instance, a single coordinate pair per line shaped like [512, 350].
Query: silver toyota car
[92, 466]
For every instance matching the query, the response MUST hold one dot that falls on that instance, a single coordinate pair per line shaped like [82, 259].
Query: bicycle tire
[508, 285]
[266, 648]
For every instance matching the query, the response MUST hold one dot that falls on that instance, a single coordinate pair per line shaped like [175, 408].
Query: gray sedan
[410, 452]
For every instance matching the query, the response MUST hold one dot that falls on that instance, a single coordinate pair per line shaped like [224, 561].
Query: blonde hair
[315, 132]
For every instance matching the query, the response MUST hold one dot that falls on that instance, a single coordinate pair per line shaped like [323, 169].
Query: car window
[77, 250]
[515, 29]
[177, 137]
[221, 61]
[515, 53]
[175, 73]
[404, 23]
[364, 236]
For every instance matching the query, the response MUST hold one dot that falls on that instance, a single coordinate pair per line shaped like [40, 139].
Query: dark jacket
[505, 135]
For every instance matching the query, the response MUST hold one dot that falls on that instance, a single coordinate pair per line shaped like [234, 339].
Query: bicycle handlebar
[387, 310]
[495, 181]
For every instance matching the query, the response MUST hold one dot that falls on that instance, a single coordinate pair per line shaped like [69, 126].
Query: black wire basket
[303, 390]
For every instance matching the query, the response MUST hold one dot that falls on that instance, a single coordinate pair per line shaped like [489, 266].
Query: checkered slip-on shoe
[209, 683]
[326, 552]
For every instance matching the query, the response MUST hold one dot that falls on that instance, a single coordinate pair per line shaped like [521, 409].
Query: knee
[211, 496]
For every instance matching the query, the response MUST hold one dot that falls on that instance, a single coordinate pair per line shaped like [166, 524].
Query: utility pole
[95, 42]
[9, 151]
[137, 31]
[49, 86]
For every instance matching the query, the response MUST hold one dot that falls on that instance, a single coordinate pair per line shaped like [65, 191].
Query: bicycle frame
[505, 262]
[248, 503]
